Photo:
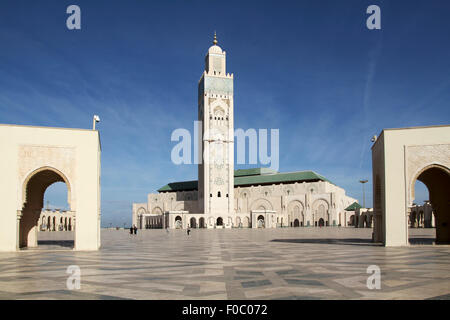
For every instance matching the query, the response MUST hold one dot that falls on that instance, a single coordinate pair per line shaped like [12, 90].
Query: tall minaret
[215, 111]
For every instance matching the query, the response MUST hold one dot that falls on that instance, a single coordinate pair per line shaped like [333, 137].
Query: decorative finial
[215, 38]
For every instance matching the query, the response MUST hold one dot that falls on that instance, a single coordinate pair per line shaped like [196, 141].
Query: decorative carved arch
[141, 210]
[58, 176]
[219, 110]
[179, 206]
[419, 172]
[320, 201]
[261, 203]
[157, 210]
[219, 103]
[293, 203]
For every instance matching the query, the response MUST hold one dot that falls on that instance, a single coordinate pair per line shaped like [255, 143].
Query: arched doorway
[178, 222]
[238, 222]
[437, 180]
[219, 222]
[351, 222]
[260, 221]
[34, 189]
[193, 223]
[296, 223]
[246, 223]
[201, 223]
[322, 214]
[321, 222]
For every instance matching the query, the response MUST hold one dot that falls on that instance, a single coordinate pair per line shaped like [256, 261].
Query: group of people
[133, 229]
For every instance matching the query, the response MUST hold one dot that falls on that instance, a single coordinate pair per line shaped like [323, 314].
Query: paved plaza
[291, 263]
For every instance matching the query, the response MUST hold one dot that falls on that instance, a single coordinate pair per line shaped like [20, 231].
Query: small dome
[215, 49]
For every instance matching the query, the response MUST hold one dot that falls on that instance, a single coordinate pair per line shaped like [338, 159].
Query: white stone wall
[32, 159]
[296, 204]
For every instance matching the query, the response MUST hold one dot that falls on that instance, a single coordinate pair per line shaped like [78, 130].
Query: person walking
[131, 230]
[135, 229]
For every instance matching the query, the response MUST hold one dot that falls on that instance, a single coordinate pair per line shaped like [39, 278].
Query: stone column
[18, 238]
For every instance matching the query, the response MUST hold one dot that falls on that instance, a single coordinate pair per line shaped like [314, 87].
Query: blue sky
[309, 68]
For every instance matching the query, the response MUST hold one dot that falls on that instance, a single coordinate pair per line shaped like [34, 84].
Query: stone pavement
[290, 263]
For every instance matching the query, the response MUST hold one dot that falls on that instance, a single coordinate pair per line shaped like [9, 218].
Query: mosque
[247, 198]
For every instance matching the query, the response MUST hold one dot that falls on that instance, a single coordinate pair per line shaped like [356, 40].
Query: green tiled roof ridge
[353, 206]
[188, 185]
[255, 179]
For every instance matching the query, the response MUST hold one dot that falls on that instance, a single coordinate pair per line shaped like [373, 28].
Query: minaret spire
[215, 38]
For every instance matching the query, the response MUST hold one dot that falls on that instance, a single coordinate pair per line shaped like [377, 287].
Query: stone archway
[351, 221]
[246, 222]
[34, 188]
[201, 223]
[260, 221]
[193, 223]
[295, 210]
[238, 222]
[32, 159]
[261, 204]
[399, 158]
[321, 209]
[178, 222]
[437, 180]
[321, 222]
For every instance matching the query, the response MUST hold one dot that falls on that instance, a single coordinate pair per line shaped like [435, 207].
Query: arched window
[218, 194]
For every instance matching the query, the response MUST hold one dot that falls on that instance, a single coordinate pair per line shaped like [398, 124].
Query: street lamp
[364, 193]
[95, 119]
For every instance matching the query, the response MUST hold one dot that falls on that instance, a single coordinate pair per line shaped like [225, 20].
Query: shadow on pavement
[350, 241]
[421, 241]
[57, 243]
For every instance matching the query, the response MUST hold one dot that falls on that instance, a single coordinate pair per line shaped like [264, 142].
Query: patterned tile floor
[300, 263]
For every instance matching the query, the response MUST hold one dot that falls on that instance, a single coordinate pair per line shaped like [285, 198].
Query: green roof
[249, 177]
[253, 172]
[353, 207]
[180, 186]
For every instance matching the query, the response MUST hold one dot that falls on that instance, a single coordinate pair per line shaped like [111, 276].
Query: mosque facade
[247, 198]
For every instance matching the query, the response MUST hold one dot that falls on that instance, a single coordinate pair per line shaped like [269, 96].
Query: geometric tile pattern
[291, 263]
